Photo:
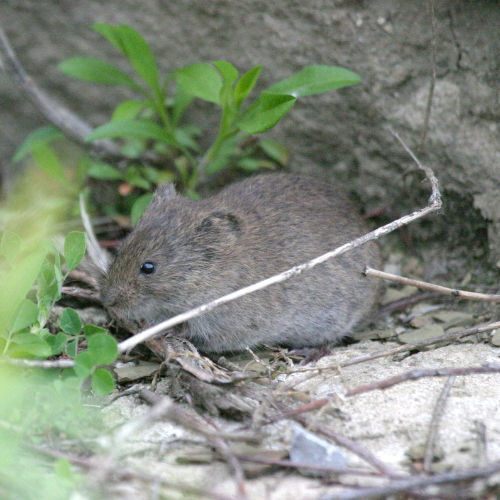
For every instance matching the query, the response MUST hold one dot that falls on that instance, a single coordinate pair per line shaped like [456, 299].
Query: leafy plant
[153, 120]
[24, 313]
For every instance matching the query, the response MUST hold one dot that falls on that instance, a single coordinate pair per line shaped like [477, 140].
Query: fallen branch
[424, 285]
[61, 117]
[416, 482]
[434, 204]
[420, 373]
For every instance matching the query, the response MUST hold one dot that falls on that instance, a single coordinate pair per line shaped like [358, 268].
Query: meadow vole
[183, 253]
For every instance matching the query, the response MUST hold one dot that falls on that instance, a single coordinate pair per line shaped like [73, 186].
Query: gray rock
[308, 448]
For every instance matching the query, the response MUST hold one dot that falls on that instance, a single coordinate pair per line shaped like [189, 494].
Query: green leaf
[72, 348]
[56, 342]
[275, 150]
[132, 44]
[10, 246]
[143, 129]
[27, 314]
[84, 363]
[74, 249]
[228, 72]
[223, 158]
[111, 33]
[89, 330]
[201, 80]
[40, 136]
[127, 110]
[48, 161]
[49, 284]
[29, 344]
[140, 55]
[102, 382]
[138, 207]
[249, 164]
[267, 110]
[70, 321]
[315, 79]
[97, 71]
[181, 101]
[63, 470]
[16, 283]
[103, 348]
[245, 85]
[104, 171]
[185, 139]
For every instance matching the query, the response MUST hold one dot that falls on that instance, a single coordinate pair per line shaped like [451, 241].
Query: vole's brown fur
[249, 231]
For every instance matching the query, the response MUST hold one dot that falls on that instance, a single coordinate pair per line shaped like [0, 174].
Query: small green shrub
[153, 121]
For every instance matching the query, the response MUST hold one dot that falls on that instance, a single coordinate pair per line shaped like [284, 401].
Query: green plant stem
[214, 149]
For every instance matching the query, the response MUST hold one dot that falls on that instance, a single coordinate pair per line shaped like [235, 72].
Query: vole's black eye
[148, 267]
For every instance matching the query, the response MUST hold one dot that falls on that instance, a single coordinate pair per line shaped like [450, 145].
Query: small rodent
[183, 253]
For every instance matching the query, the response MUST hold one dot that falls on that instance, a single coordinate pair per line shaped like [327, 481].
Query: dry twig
[420, 373]
[447, 337]
[81, 293]
[416, 482]
[121, 473]
[434, 426]
[424, 285]
[72, 125]
[61, 117]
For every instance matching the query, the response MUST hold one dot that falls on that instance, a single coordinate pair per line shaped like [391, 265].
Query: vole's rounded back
[183, 253]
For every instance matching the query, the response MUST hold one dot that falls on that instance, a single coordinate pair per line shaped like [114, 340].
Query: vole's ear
[163, 193]
[219, 231]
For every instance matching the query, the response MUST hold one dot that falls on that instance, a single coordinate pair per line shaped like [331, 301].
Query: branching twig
[434, 426]
[434, 204]
[416, 482]
[462, 294]
[420, 373]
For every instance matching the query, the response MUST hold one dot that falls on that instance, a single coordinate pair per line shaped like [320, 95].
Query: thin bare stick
[84, 277]
[121, 473]
[81, 293]
[430, 96]
[436, 418]
[416, 482]
[61, 117]
[305, 465]
[434, 204]
[447, 337]
[72, 125]
[424, 285]
[33, 363]
[420, 373]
